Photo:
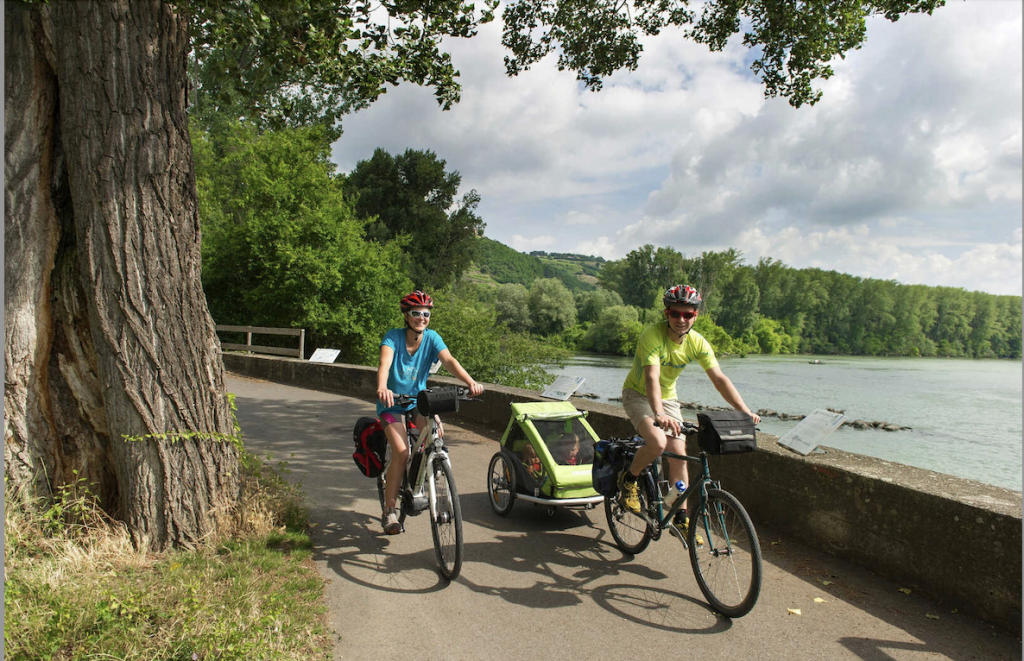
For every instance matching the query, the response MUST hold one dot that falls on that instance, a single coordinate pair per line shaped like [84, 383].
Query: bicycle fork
[435, 455]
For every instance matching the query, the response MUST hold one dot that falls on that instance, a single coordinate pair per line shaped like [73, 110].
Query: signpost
[809, 432]
[324, 355]
[563, 387]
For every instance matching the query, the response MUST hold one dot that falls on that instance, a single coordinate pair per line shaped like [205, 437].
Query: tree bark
[107, 330]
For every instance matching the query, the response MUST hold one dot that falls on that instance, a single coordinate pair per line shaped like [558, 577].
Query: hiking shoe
[389, 520]
[682, 524]
[629, 493]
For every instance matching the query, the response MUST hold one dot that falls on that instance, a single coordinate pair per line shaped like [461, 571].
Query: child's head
[529, 452]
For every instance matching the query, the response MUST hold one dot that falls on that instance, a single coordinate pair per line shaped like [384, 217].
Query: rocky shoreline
[764, 413]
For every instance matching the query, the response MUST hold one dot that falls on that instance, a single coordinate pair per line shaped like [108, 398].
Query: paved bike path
[537, 587]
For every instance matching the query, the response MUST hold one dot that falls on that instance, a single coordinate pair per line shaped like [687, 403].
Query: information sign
[809, 432]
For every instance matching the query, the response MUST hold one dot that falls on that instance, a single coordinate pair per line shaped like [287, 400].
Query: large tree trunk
[107, 330]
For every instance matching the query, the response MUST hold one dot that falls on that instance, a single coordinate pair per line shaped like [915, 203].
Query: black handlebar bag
[443, 399]
[726, 432]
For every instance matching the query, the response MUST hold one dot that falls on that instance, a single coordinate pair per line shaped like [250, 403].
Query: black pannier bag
[368, 437]
[443, 399]
[726, 432]
[608, 463]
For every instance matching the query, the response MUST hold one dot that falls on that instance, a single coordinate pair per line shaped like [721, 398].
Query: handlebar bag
[442, 399]
[726, 432]
[368, 437]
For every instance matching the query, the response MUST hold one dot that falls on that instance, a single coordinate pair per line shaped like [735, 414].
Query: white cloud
[909, 168]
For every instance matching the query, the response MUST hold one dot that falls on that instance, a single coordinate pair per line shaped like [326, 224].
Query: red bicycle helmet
[417, 299]
[681, 295]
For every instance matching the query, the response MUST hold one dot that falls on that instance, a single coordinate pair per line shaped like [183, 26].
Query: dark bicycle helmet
[417, 299]
[681, 295]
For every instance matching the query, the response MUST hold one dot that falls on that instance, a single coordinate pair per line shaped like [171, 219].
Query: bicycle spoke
[728, 565]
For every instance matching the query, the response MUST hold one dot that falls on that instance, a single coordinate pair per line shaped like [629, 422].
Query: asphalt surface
[538, 586]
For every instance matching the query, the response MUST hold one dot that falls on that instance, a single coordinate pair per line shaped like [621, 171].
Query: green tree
[307, 62]
[643, 275]
[512, 303]
[410, 195]
[794, 43]
[589, 305]
[487, 349]
[552, 308]
[282, 246]
[615, 331]
[738, 302]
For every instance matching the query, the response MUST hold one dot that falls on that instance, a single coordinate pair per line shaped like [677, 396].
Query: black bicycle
[428, 482]
[726, 561]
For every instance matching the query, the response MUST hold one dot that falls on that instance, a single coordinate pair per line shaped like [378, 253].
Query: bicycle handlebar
[411, 399]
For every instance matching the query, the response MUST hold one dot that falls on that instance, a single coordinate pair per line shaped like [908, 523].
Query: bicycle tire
[728, 565]
[446, 521]
[501, 485]
[631, 532]
[382, 485]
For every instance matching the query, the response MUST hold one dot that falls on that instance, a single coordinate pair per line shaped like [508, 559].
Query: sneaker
[682, 524]
[629, 493]
[389, 520]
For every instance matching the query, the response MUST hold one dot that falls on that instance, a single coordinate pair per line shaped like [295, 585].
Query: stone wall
[955, 539]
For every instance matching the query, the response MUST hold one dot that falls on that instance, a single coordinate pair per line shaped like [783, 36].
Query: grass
[75, 588]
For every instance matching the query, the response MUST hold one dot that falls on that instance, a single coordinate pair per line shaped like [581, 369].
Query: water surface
[965, 414]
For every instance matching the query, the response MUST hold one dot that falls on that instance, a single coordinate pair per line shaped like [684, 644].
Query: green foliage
[615, 331]
[589, 305]
[512, 303]
[487, 349]
[506, 265]
[643, 275]
[251, 597]
[793, 43]
[772, 308]
[307, 62]
[552, 308]
[410, 195]
[281, 245]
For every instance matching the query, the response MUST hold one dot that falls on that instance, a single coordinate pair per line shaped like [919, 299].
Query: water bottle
[673, 494]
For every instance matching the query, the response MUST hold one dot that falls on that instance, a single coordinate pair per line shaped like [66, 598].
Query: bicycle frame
[664, 518]
[429, 435]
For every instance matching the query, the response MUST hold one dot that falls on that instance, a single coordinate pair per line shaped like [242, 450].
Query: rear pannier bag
[608, 463]
[368, 437]
[726, 432]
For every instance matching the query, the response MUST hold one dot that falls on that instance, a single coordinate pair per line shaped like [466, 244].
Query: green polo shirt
[655, 348]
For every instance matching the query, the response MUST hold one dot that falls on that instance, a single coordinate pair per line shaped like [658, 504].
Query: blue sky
[908, 169]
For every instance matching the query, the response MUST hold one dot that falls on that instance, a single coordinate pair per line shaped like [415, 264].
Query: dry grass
[76, 588]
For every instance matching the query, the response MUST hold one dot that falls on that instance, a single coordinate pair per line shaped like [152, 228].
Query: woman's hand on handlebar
[386, 397]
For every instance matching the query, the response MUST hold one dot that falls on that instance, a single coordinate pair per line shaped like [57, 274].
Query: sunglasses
[676, 314]
[416, 314]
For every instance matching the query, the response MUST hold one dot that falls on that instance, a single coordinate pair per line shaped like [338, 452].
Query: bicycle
[728, 565]
[428, 482]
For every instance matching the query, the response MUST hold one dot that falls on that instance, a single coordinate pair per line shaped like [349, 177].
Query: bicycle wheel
[728, 565]
[501, 485]
[382, 485]
[446, 523]
[630, 531]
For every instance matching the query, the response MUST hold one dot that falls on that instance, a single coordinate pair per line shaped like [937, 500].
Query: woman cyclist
[406, 355]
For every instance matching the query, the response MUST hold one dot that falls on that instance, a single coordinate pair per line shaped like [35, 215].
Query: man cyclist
[406, 355]
[649, 393]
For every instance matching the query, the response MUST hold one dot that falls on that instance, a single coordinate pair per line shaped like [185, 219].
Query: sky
[909, 168]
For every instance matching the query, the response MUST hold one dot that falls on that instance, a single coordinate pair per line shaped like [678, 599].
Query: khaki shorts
[637, 407]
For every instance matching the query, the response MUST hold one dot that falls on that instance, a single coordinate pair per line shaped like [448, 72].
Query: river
[965, 415]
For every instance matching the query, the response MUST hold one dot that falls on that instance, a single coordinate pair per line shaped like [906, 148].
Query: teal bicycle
[723, 547]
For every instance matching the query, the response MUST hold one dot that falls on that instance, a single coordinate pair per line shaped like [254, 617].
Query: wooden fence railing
[261, 330]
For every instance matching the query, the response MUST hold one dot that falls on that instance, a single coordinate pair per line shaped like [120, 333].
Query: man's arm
[652, 380]
[729, 393]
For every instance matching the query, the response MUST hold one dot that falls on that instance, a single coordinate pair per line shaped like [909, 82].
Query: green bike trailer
[545, 457]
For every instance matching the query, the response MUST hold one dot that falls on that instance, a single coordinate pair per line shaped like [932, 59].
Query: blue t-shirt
[408, 374]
